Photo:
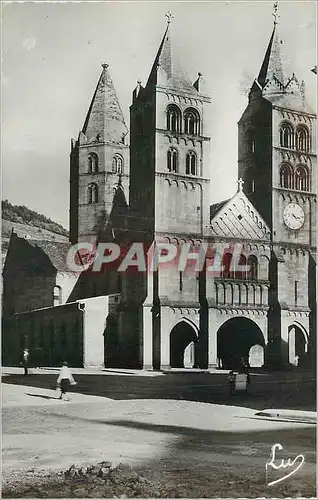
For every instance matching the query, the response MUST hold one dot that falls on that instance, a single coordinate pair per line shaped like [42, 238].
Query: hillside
[28, 224]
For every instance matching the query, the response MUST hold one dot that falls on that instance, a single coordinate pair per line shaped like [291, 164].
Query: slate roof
[214, 209]
[105, 118]
[56, 252]
[167, 60]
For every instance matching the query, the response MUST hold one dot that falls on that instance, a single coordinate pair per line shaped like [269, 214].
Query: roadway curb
[295, 415]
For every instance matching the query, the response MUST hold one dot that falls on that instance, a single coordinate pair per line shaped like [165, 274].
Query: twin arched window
[301, 179]
[173, 118]
[291, 139]
[286, 135]
[92, 163]
[191, 120]
[294, 179]
[191, 163]
[172, 160]
[286, 176]
[302, 139]
[92, 194]
[117, 164]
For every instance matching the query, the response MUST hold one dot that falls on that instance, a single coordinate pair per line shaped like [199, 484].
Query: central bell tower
[169, 187]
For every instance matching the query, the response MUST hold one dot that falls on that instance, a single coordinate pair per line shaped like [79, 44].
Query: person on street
[26, 356]
[244, 368]
[65, 379]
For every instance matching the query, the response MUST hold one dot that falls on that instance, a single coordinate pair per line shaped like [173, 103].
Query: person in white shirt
[26, 356]
[65, 379]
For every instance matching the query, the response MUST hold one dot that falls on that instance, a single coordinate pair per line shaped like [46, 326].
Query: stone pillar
[212, 358]
[165, 339]
[292, 347]
[147, 338]
[188, 357]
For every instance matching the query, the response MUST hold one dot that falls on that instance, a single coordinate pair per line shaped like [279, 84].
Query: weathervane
[169, 16]
[275, 13]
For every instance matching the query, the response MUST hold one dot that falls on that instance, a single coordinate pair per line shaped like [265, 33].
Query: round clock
[294, 216]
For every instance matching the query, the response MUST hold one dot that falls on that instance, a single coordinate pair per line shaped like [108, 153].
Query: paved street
[186, 443]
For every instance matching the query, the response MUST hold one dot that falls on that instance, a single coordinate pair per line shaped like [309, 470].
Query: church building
[151, 185]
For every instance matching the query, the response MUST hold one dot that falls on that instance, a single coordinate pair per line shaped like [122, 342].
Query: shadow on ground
[295, 390]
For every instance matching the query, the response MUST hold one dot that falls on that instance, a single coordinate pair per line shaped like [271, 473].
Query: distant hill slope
[28, 224]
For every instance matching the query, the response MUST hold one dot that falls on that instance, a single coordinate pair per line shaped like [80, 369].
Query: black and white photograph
[159, 246]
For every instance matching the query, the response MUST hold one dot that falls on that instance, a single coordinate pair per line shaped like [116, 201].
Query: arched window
[301, 179]
[92, 194]
[191, 122]
[117, 164]
[191, 163]
[57, 295]
[252, 267]
[240, 273]
[92, 163]
[226, 264]
[286, 135]
[302, 138]
[286, 176]
[173, 118]
[172, 160]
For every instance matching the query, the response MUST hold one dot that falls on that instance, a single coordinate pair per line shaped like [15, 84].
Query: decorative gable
[238, 218]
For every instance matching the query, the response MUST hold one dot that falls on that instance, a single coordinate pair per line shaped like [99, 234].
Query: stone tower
[169, 187]
[277, 161]
[97, 158]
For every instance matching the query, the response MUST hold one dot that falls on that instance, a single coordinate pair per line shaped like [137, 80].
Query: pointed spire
[272, 67]
[105, 121]
[167, 70]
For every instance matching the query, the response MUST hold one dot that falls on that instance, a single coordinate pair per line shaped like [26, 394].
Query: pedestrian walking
[65, 379]
[26, 357]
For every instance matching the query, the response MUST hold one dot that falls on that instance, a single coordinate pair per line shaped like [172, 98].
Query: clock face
[294, 216]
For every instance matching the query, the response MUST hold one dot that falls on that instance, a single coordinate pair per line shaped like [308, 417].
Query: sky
[52, 55]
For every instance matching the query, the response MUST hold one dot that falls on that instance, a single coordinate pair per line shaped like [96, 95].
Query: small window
[172, 160]
[92, 194]
[286, 135]
[57, 295]
[302, 139]
[241, 274]
[173, 118]
[117, 164]
[180, 281]
[252, 267]
[92, 163]
[191, 163]
[191, 122]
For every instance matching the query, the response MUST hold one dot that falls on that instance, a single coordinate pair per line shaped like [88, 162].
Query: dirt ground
[170, 448]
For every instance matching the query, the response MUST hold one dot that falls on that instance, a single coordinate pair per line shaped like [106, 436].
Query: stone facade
[209, 317]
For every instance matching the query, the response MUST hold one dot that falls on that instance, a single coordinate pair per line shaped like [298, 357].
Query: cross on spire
[169, 16]
[240, 183]
[275, 12]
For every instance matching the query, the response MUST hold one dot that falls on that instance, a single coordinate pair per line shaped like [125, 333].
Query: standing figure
[244, 368]
[26, 356]
[65, 379]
